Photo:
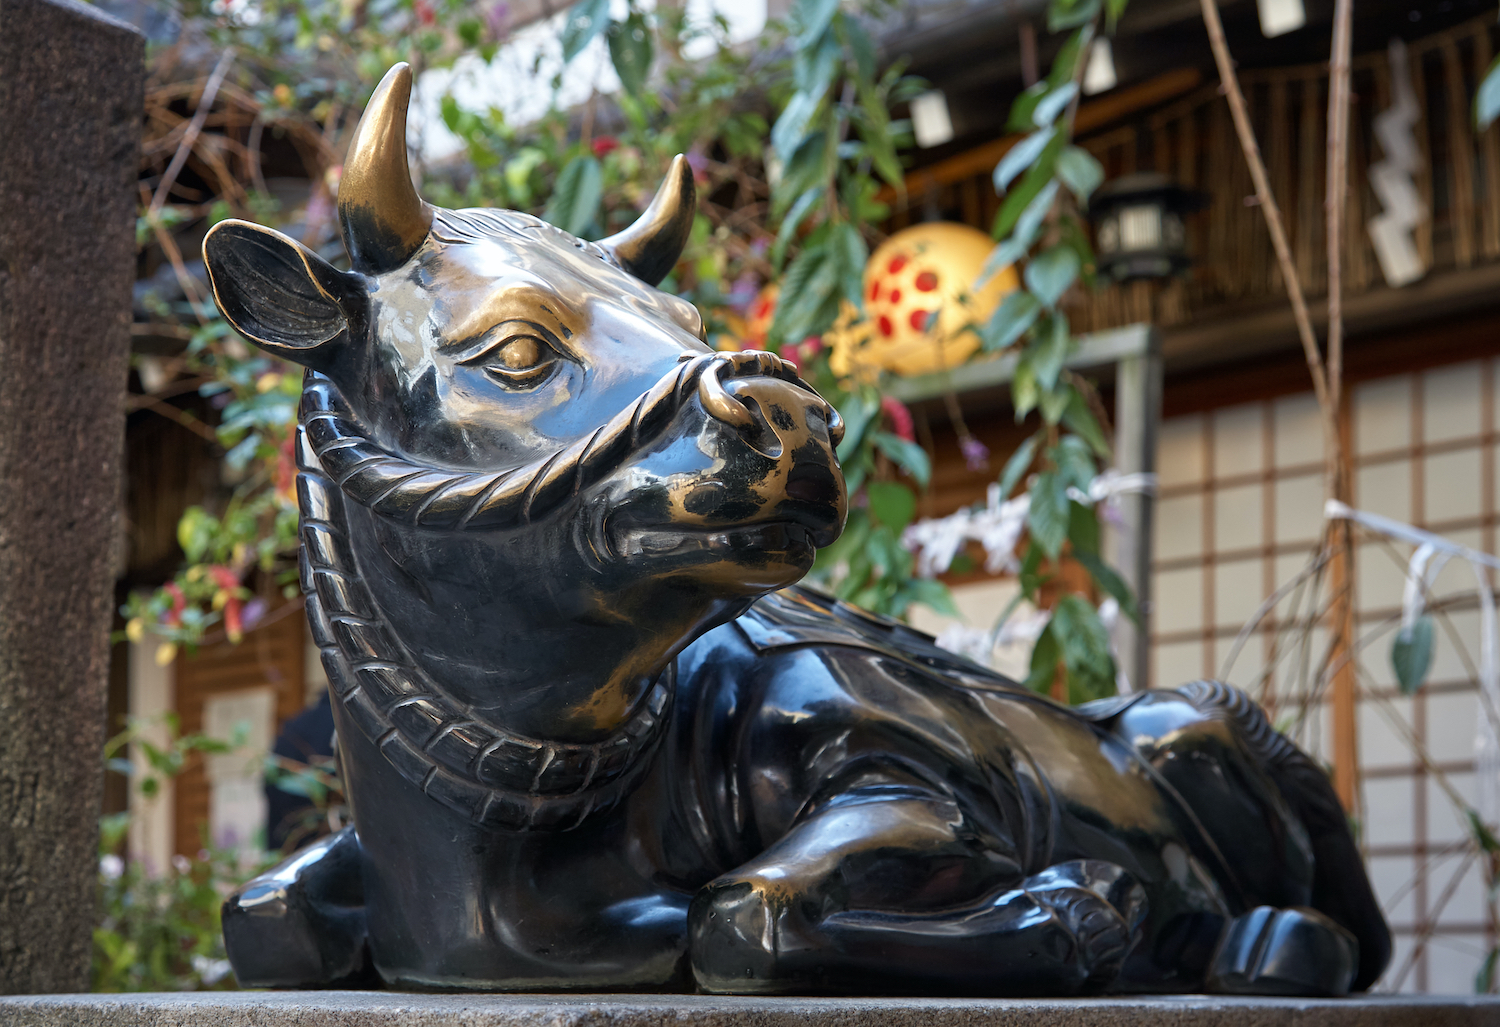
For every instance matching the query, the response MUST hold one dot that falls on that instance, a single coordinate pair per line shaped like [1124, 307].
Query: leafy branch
[1046, 181]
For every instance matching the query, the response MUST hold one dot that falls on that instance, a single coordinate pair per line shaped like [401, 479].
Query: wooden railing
[1192, 140]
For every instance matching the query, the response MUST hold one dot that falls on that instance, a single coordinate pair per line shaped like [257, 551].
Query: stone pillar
[71, 101]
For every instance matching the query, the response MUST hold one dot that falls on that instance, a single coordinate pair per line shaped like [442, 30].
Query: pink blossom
[899, 416]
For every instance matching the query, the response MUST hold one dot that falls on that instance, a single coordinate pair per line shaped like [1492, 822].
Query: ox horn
[649, 248]
[382, 217]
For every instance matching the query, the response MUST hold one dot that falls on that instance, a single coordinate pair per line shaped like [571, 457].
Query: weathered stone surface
[71, 85]
[378, 1009]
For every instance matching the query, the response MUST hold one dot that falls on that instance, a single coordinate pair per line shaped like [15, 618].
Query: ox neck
[458, 753]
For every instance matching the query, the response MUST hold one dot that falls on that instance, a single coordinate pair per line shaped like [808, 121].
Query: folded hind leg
[1264, 816]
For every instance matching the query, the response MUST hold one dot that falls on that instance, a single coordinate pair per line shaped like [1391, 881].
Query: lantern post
[1139, 235]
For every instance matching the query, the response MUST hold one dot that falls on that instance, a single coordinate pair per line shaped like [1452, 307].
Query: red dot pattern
[927, 281]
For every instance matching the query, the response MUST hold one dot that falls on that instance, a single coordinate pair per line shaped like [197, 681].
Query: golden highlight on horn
[383, 219]
[649, 248]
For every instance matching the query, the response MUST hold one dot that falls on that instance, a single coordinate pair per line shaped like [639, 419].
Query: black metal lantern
[1138, 226]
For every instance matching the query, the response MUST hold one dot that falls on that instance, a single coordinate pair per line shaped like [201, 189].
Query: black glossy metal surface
[596, 738]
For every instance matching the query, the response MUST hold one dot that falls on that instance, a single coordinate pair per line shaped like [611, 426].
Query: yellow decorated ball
[920, 298]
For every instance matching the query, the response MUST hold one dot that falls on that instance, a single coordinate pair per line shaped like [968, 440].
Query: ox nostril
[758, 434]
[812, 484]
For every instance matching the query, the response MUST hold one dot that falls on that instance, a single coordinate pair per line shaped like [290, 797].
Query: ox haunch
[594, 736]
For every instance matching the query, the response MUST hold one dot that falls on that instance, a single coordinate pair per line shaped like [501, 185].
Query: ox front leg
[890, 896]
[302, 923]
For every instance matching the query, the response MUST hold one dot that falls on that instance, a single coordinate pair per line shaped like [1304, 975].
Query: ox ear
[649, 248]
[277, 293]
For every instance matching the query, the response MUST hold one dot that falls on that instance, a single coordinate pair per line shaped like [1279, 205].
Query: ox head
[549, 477]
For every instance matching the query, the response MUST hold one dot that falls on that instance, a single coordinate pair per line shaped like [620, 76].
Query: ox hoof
[1101, 905]
[1270, 951]
[737, 931]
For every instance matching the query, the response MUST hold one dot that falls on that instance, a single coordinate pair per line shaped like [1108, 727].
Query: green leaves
[793, 220]
[1053, 104]
[1073, 461]
[195, 532]
[906, 455]
[575, 199]
[1018, 464]
[631, 52]
[1080, 172]
[810, 19]
[859, 413]
[1065, 65]
[810, 291]
[1026, 226]
[1049, 274]
[1078, 418]
[1066, 14]
[586, 19]
[1049, 352]
[1047, 518]
[813, 69]
[1106, 578]
[1044, 656]
[1085, 649]
[1411, 654]
[1021, 157]
[796, 116]
[892, 503]
[827, 270]
[1015, 315]
[1033, 197]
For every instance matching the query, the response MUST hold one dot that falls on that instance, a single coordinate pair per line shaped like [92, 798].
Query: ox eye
[522, 362]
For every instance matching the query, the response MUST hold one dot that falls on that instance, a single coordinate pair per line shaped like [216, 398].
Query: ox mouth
[774, 539]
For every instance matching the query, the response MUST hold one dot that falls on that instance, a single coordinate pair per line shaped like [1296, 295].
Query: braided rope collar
[496, 778]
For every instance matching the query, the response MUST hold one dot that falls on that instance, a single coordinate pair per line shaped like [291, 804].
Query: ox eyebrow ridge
[518, 302]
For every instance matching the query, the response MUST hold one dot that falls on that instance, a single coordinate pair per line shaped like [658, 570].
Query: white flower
[111, 867]
[181, 863]
[212, 971]
[975, 643]
[997, 526]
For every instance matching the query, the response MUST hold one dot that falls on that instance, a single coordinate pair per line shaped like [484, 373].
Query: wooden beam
[982, 159]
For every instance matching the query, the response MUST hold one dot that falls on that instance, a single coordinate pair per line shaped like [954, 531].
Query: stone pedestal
[383, 1009]
[71, 85]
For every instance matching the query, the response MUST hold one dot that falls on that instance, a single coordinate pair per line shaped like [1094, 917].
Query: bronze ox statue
[595, 737]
